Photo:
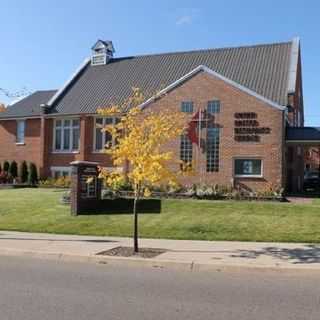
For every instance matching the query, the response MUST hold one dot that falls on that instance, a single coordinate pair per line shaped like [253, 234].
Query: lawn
[39, 210]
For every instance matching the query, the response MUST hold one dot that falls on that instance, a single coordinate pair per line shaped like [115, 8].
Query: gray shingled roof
[261, 68]
[303, 134]
[29, 106]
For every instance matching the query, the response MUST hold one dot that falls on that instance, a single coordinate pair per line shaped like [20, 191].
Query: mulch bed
[128, 252]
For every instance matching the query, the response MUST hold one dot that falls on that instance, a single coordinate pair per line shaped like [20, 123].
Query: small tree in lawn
[13, 170]
[141, 136]
[6, 166]
[33, 175]
[23, 172]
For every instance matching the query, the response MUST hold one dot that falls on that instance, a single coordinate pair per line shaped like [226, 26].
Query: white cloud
[187, 19]
[187, 16]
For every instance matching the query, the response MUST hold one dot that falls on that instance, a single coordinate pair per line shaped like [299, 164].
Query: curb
[158, 264]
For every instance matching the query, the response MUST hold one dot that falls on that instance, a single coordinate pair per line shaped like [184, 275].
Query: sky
[43, 42]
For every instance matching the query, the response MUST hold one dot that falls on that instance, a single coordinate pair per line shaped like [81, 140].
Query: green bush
[13, 169]
[23, 174]
[33, 174]
[6, 166]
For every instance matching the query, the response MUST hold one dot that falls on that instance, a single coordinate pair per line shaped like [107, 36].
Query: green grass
[39, 210]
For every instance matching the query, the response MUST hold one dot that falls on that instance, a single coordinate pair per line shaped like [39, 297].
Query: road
[37, 289]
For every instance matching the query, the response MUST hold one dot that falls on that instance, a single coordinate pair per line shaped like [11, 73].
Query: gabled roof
[205, 69]
[28, 106]
[263, 69]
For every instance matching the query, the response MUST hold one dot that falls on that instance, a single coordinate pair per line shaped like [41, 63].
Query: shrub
[3, 177]
[61, 182]
[6, 166]
[33, 174]
[13, 170]
[23, 172]
[0, 168]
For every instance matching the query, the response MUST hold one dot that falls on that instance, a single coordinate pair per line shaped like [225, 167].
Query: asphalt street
[34, 289]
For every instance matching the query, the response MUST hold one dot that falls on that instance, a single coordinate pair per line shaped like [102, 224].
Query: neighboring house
[253, 92]
[312, 159]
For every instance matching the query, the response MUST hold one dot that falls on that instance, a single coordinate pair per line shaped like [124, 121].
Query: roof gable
[217, 75]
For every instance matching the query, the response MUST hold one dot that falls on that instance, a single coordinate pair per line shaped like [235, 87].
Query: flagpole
[199, 146]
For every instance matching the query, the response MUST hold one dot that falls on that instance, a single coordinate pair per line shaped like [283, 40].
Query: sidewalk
[181, 254]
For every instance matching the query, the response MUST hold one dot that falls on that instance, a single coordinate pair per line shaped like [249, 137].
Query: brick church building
[253, 92]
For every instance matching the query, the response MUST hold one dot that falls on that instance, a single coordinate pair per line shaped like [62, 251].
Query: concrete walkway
[181, 254]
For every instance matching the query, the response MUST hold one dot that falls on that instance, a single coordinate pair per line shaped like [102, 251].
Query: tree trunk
[135, 232]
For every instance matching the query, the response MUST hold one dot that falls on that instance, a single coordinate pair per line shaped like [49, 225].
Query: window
[187, 106]
[213, 142]
[58, 172]
[185, 151]
[248, 168]
[21, 125]
[213, 106]
[66, 135]
[102, 138]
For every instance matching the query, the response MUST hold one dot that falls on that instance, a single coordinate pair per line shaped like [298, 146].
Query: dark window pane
[58, 139]
[76, 123]
[248, 167]
[75, 138]
[107, 140]
[66, 139]
[66, 123]
[98, 139]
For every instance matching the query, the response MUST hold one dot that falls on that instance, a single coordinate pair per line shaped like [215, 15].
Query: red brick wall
[30, 151]
[202, 88]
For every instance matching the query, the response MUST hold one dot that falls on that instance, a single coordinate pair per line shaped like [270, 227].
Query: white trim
[68, 82]
[54, 169]
[217, 75]
[293, 66]
[247, 175]
[20, 118]
[77, 162]
[65, 152]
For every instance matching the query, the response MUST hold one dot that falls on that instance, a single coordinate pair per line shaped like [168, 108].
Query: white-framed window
[66, 134]
[213, 106]
[248, 168]
[212, 148]
[58, 172]
[21, 126]
[185, 151]
[103, 139]
[187, 106]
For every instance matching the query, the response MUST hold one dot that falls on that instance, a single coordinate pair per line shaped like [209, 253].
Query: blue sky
[43, 42]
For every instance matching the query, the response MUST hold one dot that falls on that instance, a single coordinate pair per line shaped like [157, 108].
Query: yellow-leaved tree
[141, 136]
[2, 107]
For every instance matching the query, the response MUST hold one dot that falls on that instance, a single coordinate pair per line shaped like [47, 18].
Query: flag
[192, 128]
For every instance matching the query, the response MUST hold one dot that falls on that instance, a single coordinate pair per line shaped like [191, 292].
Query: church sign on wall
[247, 127]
